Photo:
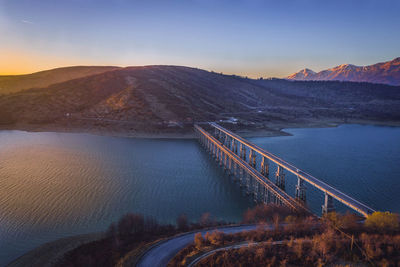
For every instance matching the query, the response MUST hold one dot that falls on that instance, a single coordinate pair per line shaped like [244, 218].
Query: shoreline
[274, 130]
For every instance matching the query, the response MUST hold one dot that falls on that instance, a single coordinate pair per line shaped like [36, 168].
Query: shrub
[206, 219]
[266, 213]
[131, 224]
[198, 240]
[382, 221]
[182, 222]
[216, 238]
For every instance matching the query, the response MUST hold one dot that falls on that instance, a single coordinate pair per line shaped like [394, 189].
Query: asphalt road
[162, 253]
[236, 246]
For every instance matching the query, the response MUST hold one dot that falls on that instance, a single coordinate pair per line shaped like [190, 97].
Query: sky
[246, 37]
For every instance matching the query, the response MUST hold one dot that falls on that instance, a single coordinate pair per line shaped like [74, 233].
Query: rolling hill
[15, 83]
[159, 98]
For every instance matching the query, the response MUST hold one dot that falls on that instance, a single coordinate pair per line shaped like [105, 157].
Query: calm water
[54, 185]
[361, 161]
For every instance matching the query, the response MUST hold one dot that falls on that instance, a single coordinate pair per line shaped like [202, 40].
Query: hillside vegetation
[156, 98]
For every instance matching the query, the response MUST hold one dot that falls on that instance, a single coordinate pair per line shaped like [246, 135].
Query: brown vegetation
[283, 238]
[132, 231]
[305, 242]
[158, 98]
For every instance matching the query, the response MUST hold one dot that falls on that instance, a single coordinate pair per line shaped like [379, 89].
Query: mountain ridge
[384, 72]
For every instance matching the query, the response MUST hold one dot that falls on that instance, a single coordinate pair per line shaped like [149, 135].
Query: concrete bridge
[230, 150]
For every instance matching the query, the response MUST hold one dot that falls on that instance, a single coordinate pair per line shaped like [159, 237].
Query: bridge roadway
[271, 187]
[336, 194]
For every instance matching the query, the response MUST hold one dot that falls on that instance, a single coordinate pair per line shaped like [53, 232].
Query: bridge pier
[252, 158]
[264, 167]
[242, 152]
[300, 190]
[241, 176]
[260, 193]
[225, 161]
[230, 167]
[265, 195]
[328, 204]
[248, 184]
[255, 191]
[280, 178]
[234, 171]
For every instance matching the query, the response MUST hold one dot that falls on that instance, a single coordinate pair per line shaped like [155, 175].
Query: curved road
[163, 252]
[236, 246]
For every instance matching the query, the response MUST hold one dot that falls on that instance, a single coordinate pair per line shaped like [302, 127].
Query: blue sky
[254, 38]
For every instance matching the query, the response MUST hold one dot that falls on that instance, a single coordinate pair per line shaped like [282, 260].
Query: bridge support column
[300, 190]
[264, 195]
[242, 152]
[259, 197]
[328, 204]
[241, 174]
[224, 139]
[233, 145]
[256, 194]
[248, 183]
[237, 172]
[233, 171]
[280, 178]
[276, 200]
[252, 158]
[230, 166]
[264, 167]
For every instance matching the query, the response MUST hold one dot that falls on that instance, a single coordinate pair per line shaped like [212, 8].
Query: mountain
[14, 83]
[158, 98]
[302, 75]
[385, 72]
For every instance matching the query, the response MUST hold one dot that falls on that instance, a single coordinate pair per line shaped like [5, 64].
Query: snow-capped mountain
[302, 75]
[385, 72]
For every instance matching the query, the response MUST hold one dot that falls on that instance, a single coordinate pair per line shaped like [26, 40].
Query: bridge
[231, 150]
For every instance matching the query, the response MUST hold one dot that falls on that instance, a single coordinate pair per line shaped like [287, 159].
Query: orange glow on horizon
[15, 62]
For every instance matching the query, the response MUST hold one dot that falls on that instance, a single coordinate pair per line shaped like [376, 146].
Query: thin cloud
[26, 21]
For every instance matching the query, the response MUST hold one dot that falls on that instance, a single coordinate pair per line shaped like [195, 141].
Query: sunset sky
[253, 37]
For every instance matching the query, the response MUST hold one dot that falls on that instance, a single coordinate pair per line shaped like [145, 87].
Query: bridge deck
[287, 199]
[338, 195]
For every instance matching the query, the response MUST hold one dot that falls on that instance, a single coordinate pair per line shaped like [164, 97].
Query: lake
[54, 185]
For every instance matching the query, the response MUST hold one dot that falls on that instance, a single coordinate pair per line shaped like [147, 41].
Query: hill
[385, 72]
[15, 83]
[162, 98]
